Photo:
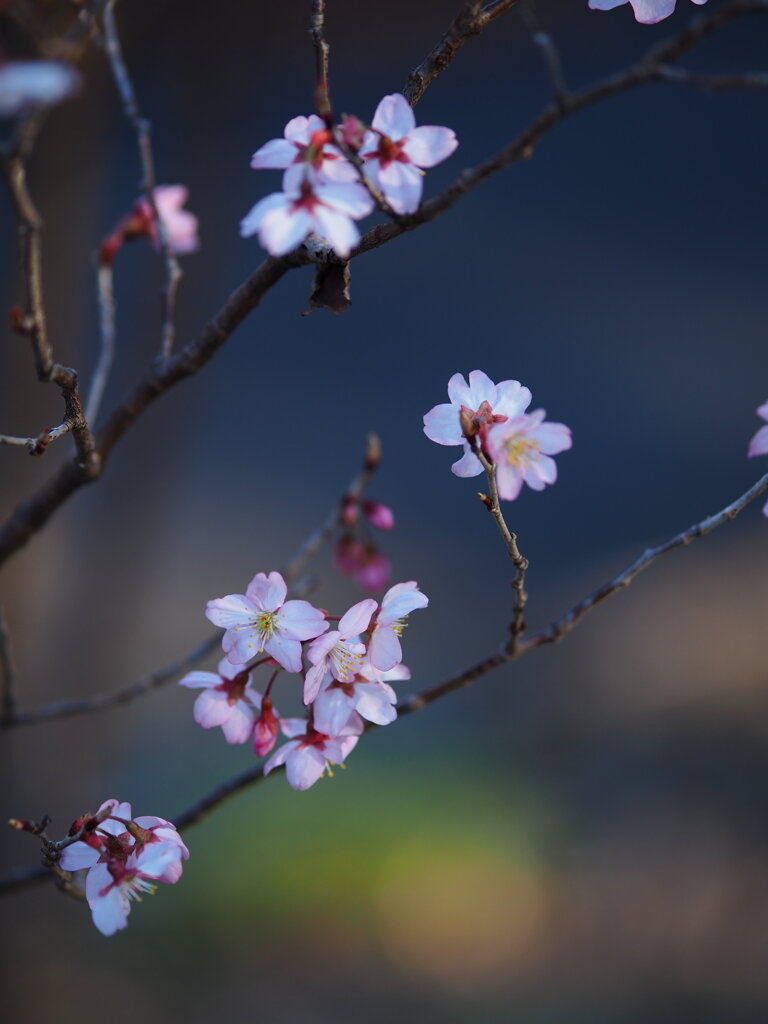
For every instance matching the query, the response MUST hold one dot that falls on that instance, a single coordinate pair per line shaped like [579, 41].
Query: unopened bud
[379, 515]
[373, 452]
[265, 729]
[467, 422]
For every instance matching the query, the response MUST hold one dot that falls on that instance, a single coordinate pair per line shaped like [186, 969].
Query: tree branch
[510, 652]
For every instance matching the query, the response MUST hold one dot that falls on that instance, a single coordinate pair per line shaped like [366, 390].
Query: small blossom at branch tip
[384, 651]
[521, 448]
[395, 151]
[228, 700]
[25, 84]
[284, 219]
[125, 856]
[759, 443]
[647, 12]
[262, 620]
[474, 406]
[309, 753]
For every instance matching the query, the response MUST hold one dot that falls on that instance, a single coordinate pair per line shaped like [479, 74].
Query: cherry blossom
[479, 403]
[35, 83]
[647, 12]
[125, 856]
[362, 561]
[309, 752]
[306, 151]
[262, 620]
[759, 443]
[521, 448]
[181, 226]
[336, 652]
[228, 700]
[284, 219]
[384, 651]
[394, 150]
[369, 694]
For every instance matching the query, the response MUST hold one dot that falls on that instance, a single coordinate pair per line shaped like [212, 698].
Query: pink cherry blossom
[228, 700]
[395, 150]
[363, 562]
[309, 752]
[336, 652]
[759, 443]
[521, 449]
[111, 885]
[378, 515]
[306, 151]
[482, 403]
[126, 856]
[181, 226]
[384, 651]
[369, 694]
[35, 83]
[262, 620]
[284, 219]
[647, 12]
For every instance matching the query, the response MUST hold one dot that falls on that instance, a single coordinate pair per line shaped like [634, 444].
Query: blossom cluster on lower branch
[126, 857]
[347, 672]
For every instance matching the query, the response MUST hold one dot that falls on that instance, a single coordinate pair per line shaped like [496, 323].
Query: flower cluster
[647, 12]
[356, 553]
[347, 672]
[125, 856]
[491, 418]
[180, 225]
[759, 443]
[324, 192]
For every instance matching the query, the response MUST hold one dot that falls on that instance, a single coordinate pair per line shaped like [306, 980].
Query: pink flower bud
[379, 515]
[352, 132]
[265, 729]
[349, 510]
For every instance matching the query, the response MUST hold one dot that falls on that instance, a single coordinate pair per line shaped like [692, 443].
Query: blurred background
[581, 837]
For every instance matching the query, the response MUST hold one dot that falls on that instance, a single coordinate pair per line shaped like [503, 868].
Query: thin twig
[37, 445]
[552, 634]
[322, 53]
[143, 130]
[470, 21]
[549, 51]
[29, 517]
[8, 676]
[521, 564]
[714, 83]
[105, 284]
[34, 318]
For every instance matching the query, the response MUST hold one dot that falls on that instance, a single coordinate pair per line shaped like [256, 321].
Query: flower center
[399, 625]
[521, 451]
[389, 151]
[265, 625]
[345, 662]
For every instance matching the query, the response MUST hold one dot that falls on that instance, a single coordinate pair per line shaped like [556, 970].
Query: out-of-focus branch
[322, 53]
[106, 293]
[9, 717]
[143, 130]
[470, 21]
[32, 515]
[7, 672]
[549, 52]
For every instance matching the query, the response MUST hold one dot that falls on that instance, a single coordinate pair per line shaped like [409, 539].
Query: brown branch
[37, 445]
[521, 564]
[714, 83]
[470, 21]
[32, 515]
[173, 274]
[34, 320]
[322, 53]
